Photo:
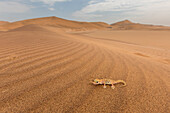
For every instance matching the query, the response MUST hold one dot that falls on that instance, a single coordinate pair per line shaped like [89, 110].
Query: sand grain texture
[44, 69]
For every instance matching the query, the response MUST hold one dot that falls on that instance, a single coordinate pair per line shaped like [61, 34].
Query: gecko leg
[112, 86]
[104, 85]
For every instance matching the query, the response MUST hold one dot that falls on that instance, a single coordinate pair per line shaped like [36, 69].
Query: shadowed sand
[45, 69]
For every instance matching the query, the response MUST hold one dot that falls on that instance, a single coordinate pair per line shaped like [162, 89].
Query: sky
[155, 12]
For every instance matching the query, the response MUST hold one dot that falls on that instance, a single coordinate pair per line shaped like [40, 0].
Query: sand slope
[43, 69]
[3, 22]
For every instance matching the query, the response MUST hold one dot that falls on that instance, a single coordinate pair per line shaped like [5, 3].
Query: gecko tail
[120, 81]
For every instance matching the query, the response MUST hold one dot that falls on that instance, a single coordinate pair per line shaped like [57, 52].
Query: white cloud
[13, 7]
[116, 5]
[49, 2]
[79, 14]
[143, 7]
[51, 9]
[159, 13]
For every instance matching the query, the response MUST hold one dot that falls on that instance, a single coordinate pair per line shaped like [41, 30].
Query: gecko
[108, 82]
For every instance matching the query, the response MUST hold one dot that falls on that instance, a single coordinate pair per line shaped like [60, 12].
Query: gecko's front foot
[104, 86]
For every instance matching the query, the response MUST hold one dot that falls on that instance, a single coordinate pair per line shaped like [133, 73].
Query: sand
[44, 69]
[3, 22]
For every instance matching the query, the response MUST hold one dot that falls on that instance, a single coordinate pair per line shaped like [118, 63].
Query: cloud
[49, 2]
[13, 7]
[80, 14]
[158, 13]
[116, 5]
[122, 6]
[51, 9]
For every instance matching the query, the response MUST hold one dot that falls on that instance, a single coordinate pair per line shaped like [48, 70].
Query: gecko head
[96, 81]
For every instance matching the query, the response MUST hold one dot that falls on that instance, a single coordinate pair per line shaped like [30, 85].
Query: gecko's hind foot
[113, 87]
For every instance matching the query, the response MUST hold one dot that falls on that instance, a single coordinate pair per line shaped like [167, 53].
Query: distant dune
[128, 25]
[3, 22]
[56, 22]
[1, 25]
[68, 25]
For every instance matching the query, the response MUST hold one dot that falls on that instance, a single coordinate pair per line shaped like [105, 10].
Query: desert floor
[49, 71]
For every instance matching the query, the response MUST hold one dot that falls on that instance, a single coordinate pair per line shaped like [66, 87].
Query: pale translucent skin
[108, 82]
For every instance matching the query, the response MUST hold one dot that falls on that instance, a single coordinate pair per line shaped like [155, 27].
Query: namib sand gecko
[108, 82]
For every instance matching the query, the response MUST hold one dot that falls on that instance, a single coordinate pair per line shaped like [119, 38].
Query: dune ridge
[69, 25]
[56, 22]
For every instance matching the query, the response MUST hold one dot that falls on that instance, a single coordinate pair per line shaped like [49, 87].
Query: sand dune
[43, 69]
[128, 25]
[3, 22]
[56, 22]
[69, 25]
[1, 25]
